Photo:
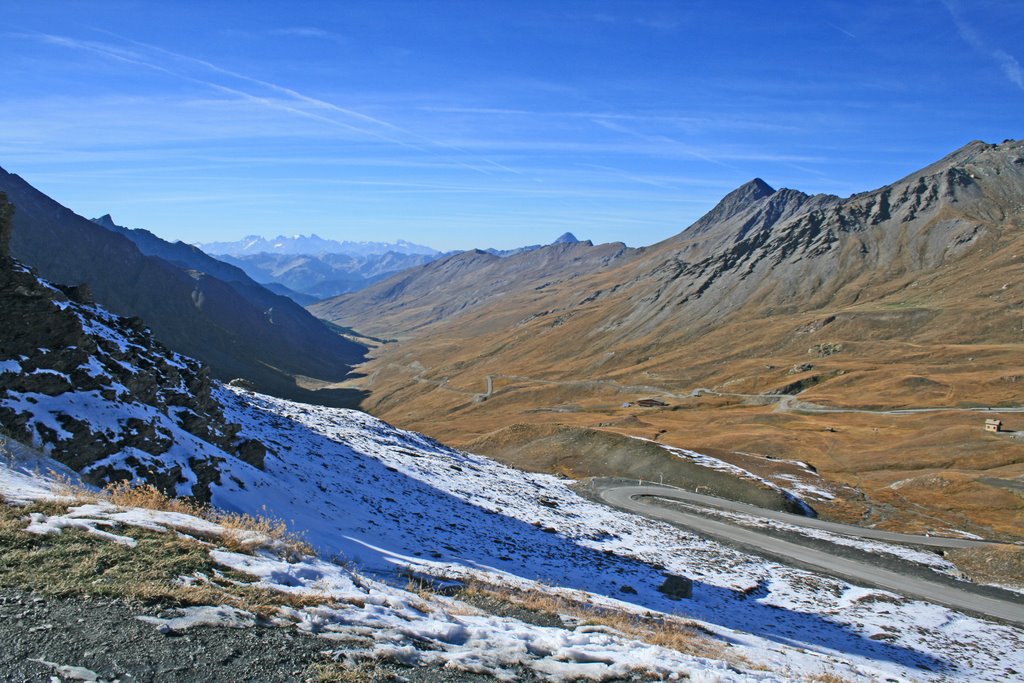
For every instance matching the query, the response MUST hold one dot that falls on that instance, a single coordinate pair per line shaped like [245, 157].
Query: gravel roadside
[102, 636]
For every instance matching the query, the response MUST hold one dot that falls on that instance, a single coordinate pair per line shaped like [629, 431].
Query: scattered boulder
[824, 350]
[677, 587]
[252, 452]
[799, 368]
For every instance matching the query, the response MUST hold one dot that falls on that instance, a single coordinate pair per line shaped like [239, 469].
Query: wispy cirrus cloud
[287, 100]
[658, 21]
[305, 32]
[1008, 64]
[841, 30]
[719, 120]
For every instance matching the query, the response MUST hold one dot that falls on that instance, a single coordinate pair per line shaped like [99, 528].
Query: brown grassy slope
[908, 296]
[462, 282]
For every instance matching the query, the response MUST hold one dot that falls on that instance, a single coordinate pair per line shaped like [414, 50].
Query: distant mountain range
[307, 278]
[331, 268]
[565, 238]
[311, 245]
[447, 287]
[194, 304]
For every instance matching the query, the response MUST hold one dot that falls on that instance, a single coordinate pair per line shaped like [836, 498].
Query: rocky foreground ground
[94, 639]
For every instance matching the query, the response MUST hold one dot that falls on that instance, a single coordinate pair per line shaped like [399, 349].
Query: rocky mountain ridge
[776, 250]
[239, 328]
[470, 279]
[182, 255]
[787, 251]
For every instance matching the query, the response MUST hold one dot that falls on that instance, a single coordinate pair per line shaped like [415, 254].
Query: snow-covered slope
[370, 620]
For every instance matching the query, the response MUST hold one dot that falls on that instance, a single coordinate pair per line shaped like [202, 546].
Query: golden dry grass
[864, 451]
[124, 494]
[77, 563]
[828, 678]
[244, 532]
[662, 630]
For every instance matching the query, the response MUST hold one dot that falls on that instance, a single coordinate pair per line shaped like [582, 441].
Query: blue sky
[474, 124]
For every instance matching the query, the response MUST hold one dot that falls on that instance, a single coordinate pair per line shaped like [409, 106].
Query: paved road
[625, 497]
[801, 520]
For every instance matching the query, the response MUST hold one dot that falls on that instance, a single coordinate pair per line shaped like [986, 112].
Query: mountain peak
[976, 151]
[105, 221]
[750, 191]
[740, 198]
[731, 204]
[566, 238]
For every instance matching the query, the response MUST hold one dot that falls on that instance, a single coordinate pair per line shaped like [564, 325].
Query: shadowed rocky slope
[237, 327]
[91, 385]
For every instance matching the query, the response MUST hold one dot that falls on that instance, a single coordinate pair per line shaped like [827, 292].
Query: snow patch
[10, 366]
[185, 618]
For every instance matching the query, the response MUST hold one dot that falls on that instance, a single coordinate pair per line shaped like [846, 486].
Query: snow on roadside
[185, 618]
[925, 558]
[736, 471]
[803, 488]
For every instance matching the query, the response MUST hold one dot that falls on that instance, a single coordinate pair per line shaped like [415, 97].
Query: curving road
[790, 518]
[626, 497]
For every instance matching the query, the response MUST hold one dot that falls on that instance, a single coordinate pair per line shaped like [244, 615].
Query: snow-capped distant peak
[311, 245]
